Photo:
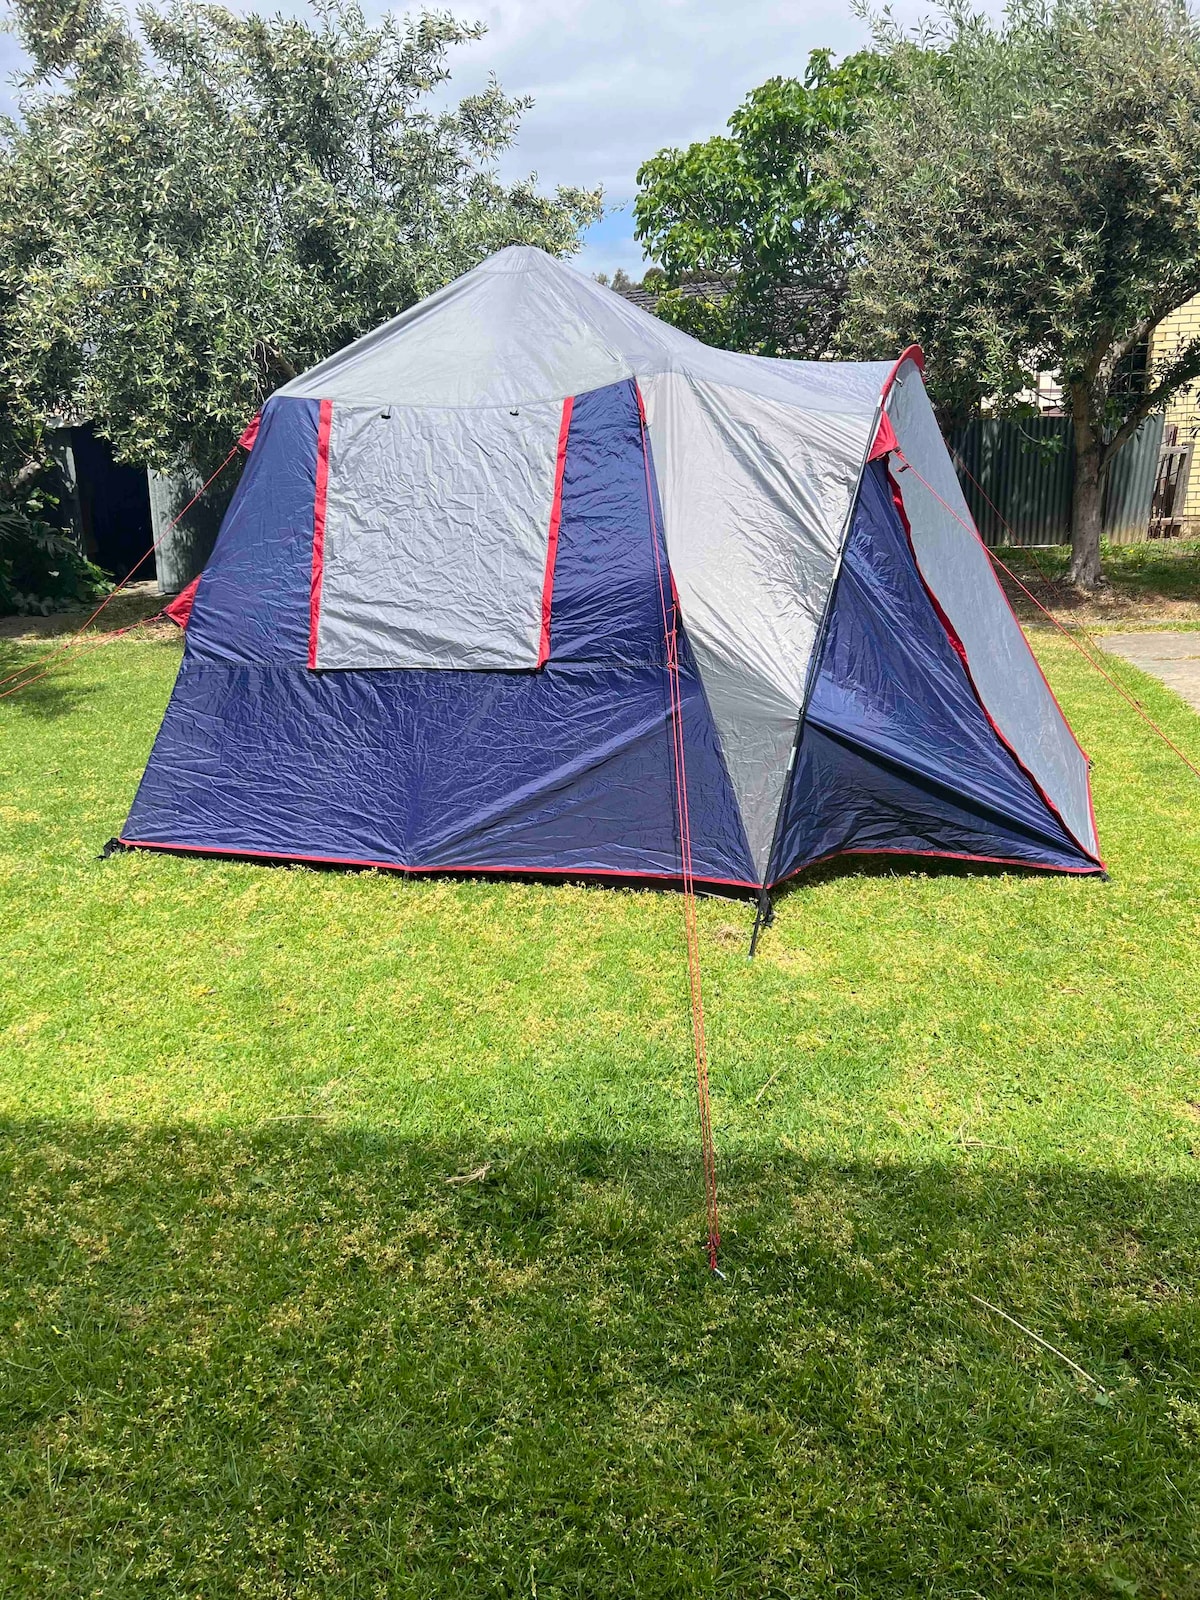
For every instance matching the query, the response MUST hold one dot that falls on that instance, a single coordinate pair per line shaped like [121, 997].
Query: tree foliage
[1032, 203]
[41, 569]
[194, 209]
[762, 214]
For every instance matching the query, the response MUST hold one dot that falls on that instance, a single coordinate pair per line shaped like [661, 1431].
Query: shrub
[41, 568]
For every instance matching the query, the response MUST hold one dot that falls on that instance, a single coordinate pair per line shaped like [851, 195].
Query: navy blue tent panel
[432, 635]
[252, 601]
[897, 754]
[607, 603]
[564, 770]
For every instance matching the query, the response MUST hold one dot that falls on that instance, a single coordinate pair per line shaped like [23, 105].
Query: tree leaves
[761, 212]
[1034, 197]
[191, 213]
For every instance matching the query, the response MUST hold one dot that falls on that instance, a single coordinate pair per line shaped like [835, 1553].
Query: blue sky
[615, 80]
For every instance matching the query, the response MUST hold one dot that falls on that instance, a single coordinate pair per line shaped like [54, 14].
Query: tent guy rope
[90, 644]
[1047, 577]
[670, 616]
[72, 639]
[1061, 626]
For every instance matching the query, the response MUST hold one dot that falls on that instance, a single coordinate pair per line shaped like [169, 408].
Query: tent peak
[524, 327]
[519, 258]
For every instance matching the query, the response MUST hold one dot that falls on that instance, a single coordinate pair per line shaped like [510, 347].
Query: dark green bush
[41, 568]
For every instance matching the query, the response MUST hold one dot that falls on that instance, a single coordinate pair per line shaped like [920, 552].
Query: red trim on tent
[916, 355]
[937, 855]
[555, 521]
[961, 652]
[395, 866]
[913, 353]
[250, 434]
[885, 438]
[318, 555]
[598, 872]
[180, 609]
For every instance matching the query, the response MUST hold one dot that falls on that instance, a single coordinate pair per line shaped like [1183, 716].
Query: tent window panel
[437, 533]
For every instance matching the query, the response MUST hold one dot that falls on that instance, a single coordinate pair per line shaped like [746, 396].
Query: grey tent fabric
[522, 327]
[395, 660]
[956, 568]
[436, 536]
[756, 495]
[758, 462]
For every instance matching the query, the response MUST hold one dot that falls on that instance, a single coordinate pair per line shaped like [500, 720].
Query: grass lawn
[1154, 582]
[254, 1343]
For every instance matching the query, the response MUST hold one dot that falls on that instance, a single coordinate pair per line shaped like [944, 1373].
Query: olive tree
[1031, 202]
[196, 206]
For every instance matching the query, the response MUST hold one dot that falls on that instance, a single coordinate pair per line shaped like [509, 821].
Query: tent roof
[524, 327]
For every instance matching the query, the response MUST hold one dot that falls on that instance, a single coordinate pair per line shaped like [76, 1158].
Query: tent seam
[1094, 870]
[810, 677]
[399, 866]
[320, 496]
[960, 651]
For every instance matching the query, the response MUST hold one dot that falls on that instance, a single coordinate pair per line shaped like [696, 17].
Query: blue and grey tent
[497, 571]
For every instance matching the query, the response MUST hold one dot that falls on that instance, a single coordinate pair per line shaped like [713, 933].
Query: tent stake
[763, 918]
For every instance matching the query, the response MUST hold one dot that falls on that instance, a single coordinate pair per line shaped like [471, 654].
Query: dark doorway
[114, 508]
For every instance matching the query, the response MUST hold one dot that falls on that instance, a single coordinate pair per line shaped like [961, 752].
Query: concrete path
[1172, 658]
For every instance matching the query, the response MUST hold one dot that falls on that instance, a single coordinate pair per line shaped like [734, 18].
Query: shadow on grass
[744, 899]
[901, 866]
[292, 1361]
[1155, 570]
[629, 882]
[56, 694]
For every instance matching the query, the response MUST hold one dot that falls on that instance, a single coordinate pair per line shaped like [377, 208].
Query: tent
[528, 581]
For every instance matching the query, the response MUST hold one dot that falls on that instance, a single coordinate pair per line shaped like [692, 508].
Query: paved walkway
[1172, 658]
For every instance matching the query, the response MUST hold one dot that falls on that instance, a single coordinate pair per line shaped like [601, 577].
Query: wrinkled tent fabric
[431, 635]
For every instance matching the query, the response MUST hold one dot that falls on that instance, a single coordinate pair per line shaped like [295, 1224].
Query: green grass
[1151, 572]
[254, 1344]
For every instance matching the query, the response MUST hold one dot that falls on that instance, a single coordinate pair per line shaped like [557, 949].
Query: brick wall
[1184, 410]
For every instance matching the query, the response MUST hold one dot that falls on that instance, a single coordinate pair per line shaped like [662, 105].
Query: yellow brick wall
[1184, 410]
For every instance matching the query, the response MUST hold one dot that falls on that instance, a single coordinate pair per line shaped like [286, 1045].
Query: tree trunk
[280, 364]
[1088, 498]
[10, 488]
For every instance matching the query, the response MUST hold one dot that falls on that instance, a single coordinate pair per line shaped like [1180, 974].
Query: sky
[614, 80]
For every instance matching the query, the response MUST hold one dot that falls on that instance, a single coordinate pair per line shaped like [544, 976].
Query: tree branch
[1101, 346]
[1120, 348]
[279, 363]
[1183, 370]
[10, 488]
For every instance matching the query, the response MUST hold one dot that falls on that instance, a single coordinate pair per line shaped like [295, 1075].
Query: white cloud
[615, 80]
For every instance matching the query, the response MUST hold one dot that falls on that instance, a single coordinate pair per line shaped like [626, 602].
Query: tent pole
[763, 917]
